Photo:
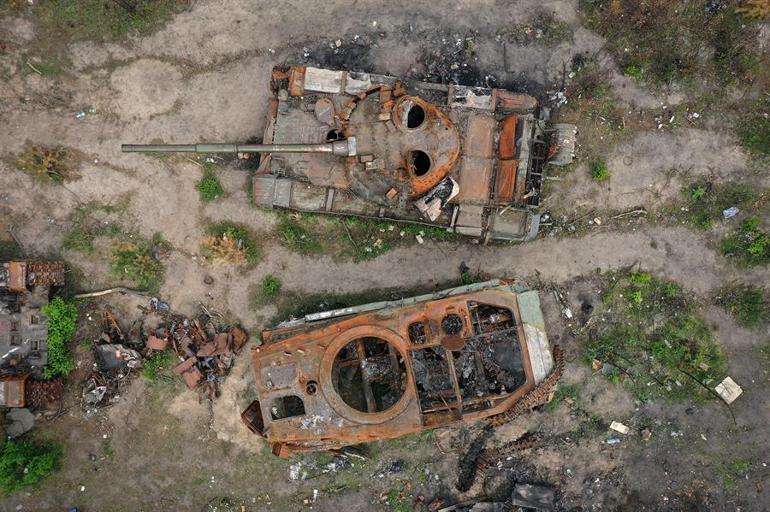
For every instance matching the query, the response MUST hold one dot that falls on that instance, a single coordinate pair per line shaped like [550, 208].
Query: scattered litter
[703, 437]
[728, 390]
[619, 427]
[567, 312]
[613, 440]
[731, 212]
[419, 239]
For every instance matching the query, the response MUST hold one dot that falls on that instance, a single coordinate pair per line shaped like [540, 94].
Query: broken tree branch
[640, 211]
[117, 289]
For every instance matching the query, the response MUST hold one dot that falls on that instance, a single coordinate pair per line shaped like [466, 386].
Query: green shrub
[27, 463]
[600, 172]
[62, 322]
[157, 363]
[209, 186]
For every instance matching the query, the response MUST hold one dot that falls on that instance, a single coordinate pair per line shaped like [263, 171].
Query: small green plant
[62, 321]
[267, 292]
[209, 186]
[133, 260]
[158, 362]
[271, 285]
[696, 192]
[747, 303]
[600, 172]
[232, 243]
[749, 244]
[47, 164]
[26, 463]
[296, 237]
[633, 71]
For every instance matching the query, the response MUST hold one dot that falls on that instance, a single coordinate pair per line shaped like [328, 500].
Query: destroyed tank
[388, 369]
[469, 159]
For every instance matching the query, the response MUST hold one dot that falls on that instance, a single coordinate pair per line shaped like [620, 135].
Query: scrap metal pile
[201, 350]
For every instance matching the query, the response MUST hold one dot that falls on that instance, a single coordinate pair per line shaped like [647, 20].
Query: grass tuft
[600, 172]
[160, 361]
[47, 164]
[749, 304]
[134, 261]
[231, 243]
[209, 186]
[749, 244]
[89, 223]
[295, 236]
[96, 19]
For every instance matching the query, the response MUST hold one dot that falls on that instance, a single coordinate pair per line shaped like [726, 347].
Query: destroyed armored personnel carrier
[470, 159]
[389, 369]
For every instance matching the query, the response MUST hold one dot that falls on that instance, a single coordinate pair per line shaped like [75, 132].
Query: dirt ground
[203, 76]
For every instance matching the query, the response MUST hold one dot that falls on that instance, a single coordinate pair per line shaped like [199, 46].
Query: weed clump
[158, 362]
[655, 340]
[62, 321]
[47, 164]
[95, 19]
[26, 463]
[749, 244]
[296, 237]
[230, 243]
[755, 134]
[134, 260]
[600, 172]
[747, 303]
[87, 226]
[705, 202]
[268, 290]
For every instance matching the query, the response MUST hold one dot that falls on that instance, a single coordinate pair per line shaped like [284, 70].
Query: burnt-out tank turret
[469, 159]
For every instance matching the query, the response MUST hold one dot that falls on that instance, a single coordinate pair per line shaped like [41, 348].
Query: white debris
[420, 240]
[728, 390]
[619, 427]
[729, 213]
[567, 312]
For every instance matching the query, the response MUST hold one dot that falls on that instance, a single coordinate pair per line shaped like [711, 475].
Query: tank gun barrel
[340, 148]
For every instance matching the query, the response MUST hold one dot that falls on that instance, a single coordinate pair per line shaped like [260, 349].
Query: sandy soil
[204, 76]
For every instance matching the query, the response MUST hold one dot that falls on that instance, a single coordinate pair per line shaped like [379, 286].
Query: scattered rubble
[204, 348]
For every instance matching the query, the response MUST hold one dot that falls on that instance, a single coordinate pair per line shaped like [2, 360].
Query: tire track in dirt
[676, 253]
